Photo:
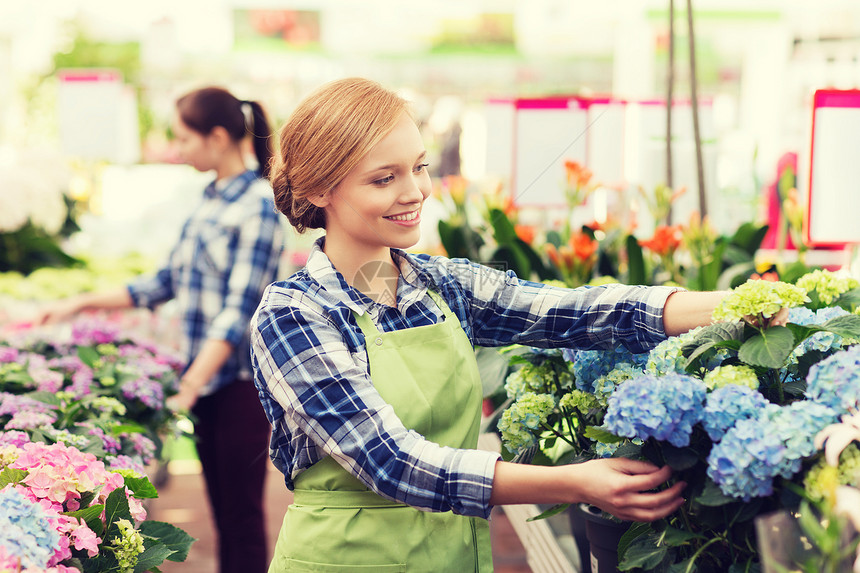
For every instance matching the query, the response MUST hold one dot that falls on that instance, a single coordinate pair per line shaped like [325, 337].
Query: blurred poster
[97, 116]
[265, 29]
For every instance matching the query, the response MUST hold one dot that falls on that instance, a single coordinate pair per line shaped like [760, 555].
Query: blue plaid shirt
[228, 252]
[311, 367]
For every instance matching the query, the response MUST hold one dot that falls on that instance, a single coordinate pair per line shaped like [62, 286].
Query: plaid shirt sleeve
[252, 264]
[319, 396]
[152, 290]
[498, 309]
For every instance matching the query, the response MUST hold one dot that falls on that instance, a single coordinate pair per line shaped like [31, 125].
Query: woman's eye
[421, 167]
[384, 180]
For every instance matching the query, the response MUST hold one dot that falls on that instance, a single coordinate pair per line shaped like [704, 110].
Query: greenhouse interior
[219, 301]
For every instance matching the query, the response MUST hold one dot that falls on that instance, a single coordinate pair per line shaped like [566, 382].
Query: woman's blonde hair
[326, 136]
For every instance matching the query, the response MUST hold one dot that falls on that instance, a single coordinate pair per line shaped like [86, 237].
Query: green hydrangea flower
[725, 375]
[127, 546]
[827, 284]
[578, 400]
[822, 478]
[759, 298]
[522, 421]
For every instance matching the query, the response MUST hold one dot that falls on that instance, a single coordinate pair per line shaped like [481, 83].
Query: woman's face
[378, 205]
[193, 147]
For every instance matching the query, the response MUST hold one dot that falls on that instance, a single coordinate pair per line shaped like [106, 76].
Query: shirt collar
[229, 189]
[321, 270]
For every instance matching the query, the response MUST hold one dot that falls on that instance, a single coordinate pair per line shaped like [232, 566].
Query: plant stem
[699, 552]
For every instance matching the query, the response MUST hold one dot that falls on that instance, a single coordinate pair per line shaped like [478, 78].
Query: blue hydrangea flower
[822, 341]
[663, 407]
[756, 450]
[589, 365]
[835, 381]
[666, 357]
[25, 531]
[728, 404]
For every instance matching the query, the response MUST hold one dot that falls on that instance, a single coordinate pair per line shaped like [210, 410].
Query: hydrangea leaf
[849, 300]
[644, 552]
[92, 516]
[153, 556]
[674, 537]
[171, 536]
[11, 475]
[601, 435]
[679, 458]
[141, 488]
[554, 510]
[88, 355]
[713, 496]
[847, 326]
[770, 349]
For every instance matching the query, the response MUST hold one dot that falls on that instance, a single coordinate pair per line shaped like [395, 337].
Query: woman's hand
[625, 488]
[620, 486]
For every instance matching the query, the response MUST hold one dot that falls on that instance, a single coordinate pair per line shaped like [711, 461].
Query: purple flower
[150, 392]
[8, 354]
[14, 438]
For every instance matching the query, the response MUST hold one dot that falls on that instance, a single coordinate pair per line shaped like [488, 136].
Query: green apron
[335, 524]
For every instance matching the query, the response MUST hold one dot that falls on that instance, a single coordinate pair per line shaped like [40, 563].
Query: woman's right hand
[627, 489]
[56, 311]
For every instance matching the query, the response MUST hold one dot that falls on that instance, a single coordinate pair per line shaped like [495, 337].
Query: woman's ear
[219, 136]
[321, 201]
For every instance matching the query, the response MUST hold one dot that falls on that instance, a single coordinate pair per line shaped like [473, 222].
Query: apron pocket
[308, 567]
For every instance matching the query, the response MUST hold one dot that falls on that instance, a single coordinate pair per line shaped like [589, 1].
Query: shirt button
[379, 341]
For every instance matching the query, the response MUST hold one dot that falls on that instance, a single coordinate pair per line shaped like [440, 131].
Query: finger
[634, 467]
[644, 482]
[658, 499]
[651, 514]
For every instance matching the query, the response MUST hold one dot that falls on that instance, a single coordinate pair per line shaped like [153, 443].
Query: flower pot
[599, 553]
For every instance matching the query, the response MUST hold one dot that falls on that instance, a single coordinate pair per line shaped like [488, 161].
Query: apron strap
[341, 498]
[365, 323]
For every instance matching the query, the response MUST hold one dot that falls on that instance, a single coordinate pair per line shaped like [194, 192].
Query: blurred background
[514, 98]
[87, 90]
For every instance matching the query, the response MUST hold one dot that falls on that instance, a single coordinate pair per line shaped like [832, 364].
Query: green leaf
[91, 515]
[503, 230]
[152, 556]
[847, 326]
[635, 262]
[674, 537]
[45, 397]
[749, 237]
[644, 552]
[116, 508]
[554, 510]
[769, 349]
[636, 530]
[849, 300]
[598, 434]
[141, 488]
[11, 475]
[169, 535]
[680, 458]
[712, 496]
[88, 355]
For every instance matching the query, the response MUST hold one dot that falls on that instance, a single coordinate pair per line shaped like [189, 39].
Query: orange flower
[553, 254]
[526, 233]
[768, 276]
[583, 246]
[456, 186]
[577, 175]
[666, 239]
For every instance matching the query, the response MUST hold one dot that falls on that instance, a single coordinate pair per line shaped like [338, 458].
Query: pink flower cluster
[56, 477]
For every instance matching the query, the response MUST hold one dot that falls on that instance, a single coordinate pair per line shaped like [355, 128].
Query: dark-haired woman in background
[227, 254]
